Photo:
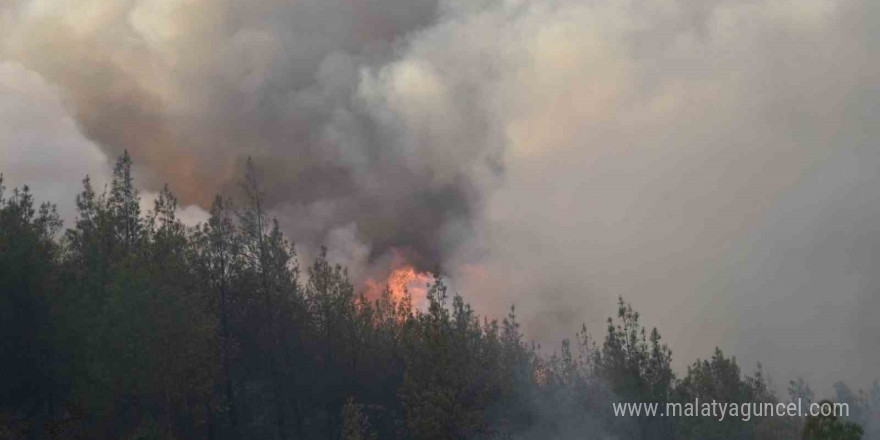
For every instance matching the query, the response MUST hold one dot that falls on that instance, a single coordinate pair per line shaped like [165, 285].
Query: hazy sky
[714, 162]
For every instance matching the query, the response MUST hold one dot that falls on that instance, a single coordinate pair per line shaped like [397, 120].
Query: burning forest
[438, 219]
[144, 327]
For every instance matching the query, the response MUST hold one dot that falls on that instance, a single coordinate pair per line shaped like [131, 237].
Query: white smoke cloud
[691, 156]
[40, 145]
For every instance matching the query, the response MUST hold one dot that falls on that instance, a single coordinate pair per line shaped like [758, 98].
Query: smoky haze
[192, 89]
[714, 162]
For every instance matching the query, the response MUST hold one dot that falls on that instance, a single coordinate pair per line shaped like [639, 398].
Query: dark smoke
[192, 89]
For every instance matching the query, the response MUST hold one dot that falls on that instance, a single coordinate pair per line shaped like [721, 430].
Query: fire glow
[403, 279]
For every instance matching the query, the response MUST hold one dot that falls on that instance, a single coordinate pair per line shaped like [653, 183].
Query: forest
[132, 325]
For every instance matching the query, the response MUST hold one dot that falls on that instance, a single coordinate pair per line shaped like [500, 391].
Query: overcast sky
[714, 162]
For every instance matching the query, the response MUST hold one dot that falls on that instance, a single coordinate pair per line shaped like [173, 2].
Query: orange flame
[403, 279]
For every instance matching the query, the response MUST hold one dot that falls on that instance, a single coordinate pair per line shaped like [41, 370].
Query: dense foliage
[130, 325]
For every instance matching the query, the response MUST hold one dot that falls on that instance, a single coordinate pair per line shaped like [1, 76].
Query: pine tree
[218, 260]
[31, 381]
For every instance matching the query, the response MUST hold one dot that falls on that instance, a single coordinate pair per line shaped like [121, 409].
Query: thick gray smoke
[715, 162]
[192, 88]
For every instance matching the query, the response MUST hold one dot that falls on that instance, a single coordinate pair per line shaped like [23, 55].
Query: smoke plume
[714, 162]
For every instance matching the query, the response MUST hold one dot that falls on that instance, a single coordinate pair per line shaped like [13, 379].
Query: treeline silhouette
[131, 325]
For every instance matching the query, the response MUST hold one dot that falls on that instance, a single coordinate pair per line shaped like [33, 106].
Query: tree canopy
[132, 325]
